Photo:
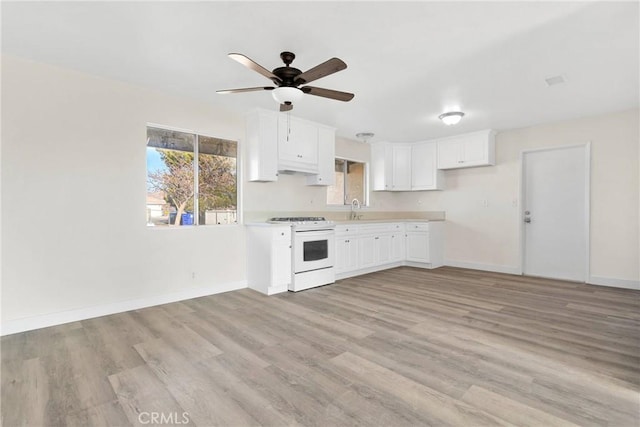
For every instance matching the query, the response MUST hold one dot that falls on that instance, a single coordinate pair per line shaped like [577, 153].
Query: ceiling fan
[288, 79]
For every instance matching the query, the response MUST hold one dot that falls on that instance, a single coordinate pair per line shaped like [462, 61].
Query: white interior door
[556, 212]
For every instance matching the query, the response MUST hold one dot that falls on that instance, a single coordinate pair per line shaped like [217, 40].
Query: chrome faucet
[355, 204]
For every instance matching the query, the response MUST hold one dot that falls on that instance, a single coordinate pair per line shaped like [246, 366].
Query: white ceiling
[407, 61]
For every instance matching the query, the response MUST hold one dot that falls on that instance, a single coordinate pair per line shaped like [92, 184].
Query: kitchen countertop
[381, 221]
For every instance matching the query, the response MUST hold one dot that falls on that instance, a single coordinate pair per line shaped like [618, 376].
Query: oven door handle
[324, 232]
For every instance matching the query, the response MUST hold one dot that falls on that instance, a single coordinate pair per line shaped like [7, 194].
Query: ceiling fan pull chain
[288, 125]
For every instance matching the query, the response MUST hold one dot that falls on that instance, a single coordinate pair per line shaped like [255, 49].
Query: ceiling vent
[555, 80]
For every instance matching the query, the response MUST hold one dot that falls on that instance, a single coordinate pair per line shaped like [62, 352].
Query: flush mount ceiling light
[287, 95]
[364, 136]
[451, 118]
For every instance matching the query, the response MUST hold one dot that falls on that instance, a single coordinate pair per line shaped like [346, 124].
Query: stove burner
[298, 219]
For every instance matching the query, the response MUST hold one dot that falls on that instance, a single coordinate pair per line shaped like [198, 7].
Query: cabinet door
[397, 247]
[450, 154]
[351, 263]
[424, 172]
[346, 254]
[326, 158]
[383, 249]
[401, 168]
[475, 152]
[417, 246]
[281, 253]
[262, 146]
[366, 252]
[297, 140]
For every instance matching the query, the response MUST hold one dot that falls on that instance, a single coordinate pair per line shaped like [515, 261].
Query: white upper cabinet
[405, 167]
[379, 153]
[326, 158]
[401, 167]
[262, 146]
[468, 150]
[297, 145]
[424, 172]
[391, 166]
[280, 142]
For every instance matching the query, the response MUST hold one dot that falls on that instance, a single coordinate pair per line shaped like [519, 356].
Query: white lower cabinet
[417, 246]
[398, 247]
[366, 251]
[425, 243]
[363, 248]
[269, 258]
[346, 253]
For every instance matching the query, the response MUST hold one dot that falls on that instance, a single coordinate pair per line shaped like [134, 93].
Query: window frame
[196, 172]
[347, 203]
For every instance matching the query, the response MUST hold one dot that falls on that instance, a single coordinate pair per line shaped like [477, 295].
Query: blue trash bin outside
[187, 218]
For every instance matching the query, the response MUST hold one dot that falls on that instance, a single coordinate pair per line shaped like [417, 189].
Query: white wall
[74, 191]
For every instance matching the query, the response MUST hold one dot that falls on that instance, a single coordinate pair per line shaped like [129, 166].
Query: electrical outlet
[484, 203]
[193, 275]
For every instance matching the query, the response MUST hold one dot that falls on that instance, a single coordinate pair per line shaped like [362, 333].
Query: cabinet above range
[279, 142]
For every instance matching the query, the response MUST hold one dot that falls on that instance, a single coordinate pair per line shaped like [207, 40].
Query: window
[191, 179]
[350, 183]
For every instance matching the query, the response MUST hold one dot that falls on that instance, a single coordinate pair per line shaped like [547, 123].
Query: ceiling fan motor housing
[287, 74]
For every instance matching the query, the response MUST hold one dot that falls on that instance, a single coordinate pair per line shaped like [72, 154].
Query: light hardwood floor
[400, 347]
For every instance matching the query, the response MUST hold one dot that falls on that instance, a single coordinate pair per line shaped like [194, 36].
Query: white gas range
[312, 251]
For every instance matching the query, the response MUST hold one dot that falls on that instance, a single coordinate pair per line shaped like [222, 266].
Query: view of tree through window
[350, 183]
[191, 179]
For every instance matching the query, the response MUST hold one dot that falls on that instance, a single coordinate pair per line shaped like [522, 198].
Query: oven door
[313, 250]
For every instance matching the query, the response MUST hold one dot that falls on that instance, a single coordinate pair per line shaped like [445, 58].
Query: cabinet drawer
[281, 233]
[346, 230]
[417, 226]
[376, 228]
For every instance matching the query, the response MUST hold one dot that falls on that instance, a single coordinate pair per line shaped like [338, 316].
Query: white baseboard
[484, 267]
[613, 282]
[59, 318]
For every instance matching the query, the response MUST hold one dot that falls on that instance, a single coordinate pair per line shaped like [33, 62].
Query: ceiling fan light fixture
[290, 95]
[451, 118]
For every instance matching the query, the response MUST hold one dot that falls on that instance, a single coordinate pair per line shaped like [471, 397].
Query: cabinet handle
[282, 234]
[377, 238]
[319, 179]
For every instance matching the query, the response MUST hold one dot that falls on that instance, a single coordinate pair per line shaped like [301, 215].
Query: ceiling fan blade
[328, 93]
[331, 66]
[286, 107]
[252, 65]
[246, 89]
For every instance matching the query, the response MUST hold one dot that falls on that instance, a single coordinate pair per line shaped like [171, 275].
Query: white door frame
[587, 201]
